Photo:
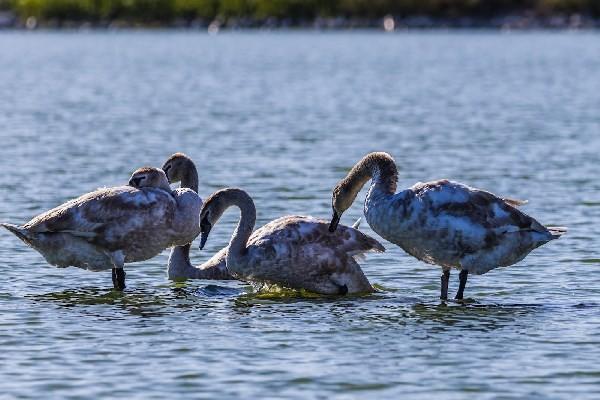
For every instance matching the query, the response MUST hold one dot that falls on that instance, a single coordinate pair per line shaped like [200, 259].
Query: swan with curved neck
[441, 222]
[180, 168]
[109, 227]
[293, 251]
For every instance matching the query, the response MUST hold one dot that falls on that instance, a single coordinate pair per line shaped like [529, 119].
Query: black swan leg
[445, 280]
[118, 278]
[464, 274]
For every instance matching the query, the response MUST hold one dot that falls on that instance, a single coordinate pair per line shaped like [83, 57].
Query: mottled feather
[300, 252]
[453, 225]
[110, 223]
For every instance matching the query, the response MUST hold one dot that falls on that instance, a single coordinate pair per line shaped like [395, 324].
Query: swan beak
[335, 220]
[203, 239]
[205, 228]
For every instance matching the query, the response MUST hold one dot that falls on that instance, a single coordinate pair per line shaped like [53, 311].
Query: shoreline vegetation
[213, 15]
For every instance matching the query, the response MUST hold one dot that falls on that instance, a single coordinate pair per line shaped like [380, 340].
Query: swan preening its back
[442, 222]
[294, 251]
[109, 227]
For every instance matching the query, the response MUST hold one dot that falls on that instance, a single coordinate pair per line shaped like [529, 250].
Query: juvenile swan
[442, 222]
[293, 251]
[112, 226]
[181, 168]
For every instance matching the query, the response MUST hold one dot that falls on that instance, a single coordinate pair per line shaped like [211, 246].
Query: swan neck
[181, 268]
[190, 177]
[380, 167]
[239, 239]
[179, 261]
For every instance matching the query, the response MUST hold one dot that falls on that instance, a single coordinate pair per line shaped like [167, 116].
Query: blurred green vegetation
[165, 11]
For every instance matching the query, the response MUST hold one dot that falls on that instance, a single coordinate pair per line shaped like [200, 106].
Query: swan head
[212, 210]
[378, 166]
[342, 198]
[149, 177]
[176, 167]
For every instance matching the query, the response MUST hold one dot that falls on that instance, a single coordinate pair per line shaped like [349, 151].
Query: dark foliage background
[166, 11]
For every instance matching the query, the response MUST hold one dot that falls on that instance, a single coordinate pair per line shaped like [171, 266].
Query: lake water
[284, 116]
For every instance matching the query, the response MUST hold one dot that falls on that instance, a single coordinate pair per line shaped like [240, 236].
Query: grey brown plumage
[442, 222]
[293, 251]
[108, 227]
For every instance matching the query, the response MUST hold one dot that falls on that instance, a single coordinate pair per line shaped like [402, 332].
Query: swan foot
[118, 278]
[445, 279]
[464, 274]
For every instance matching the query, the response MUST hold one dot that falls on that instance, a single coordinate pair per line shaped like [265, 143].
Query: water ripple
[285, 116]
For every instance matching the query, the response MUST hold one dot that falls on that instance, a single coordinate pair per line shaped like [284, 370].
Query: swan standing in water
[442, 222]
[109, 227]
[293, 251]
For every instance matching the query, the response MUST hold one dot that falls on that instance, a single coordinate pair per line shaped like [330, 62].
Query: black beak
[205, 228]
[335, 220]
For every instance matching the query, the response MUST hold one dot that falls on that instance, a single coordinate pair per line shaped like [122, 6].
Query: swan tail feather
[361, 255]
[557, 231]
[19, 232]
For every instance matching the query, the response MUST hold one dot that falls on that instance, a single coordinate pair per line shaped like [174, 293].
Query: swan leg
[118, 278]
[445, 279]
[463, 282]
[118, 273]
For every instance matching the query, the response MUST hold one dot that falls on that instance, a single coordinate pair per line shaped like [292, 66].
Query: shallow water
[284, 116]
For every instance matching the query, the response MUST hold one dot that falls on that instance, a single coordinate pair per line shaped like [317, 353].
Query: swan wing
[312, 230]
[124, 209]
[451, 206]
[300, 252]
[306, 239]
